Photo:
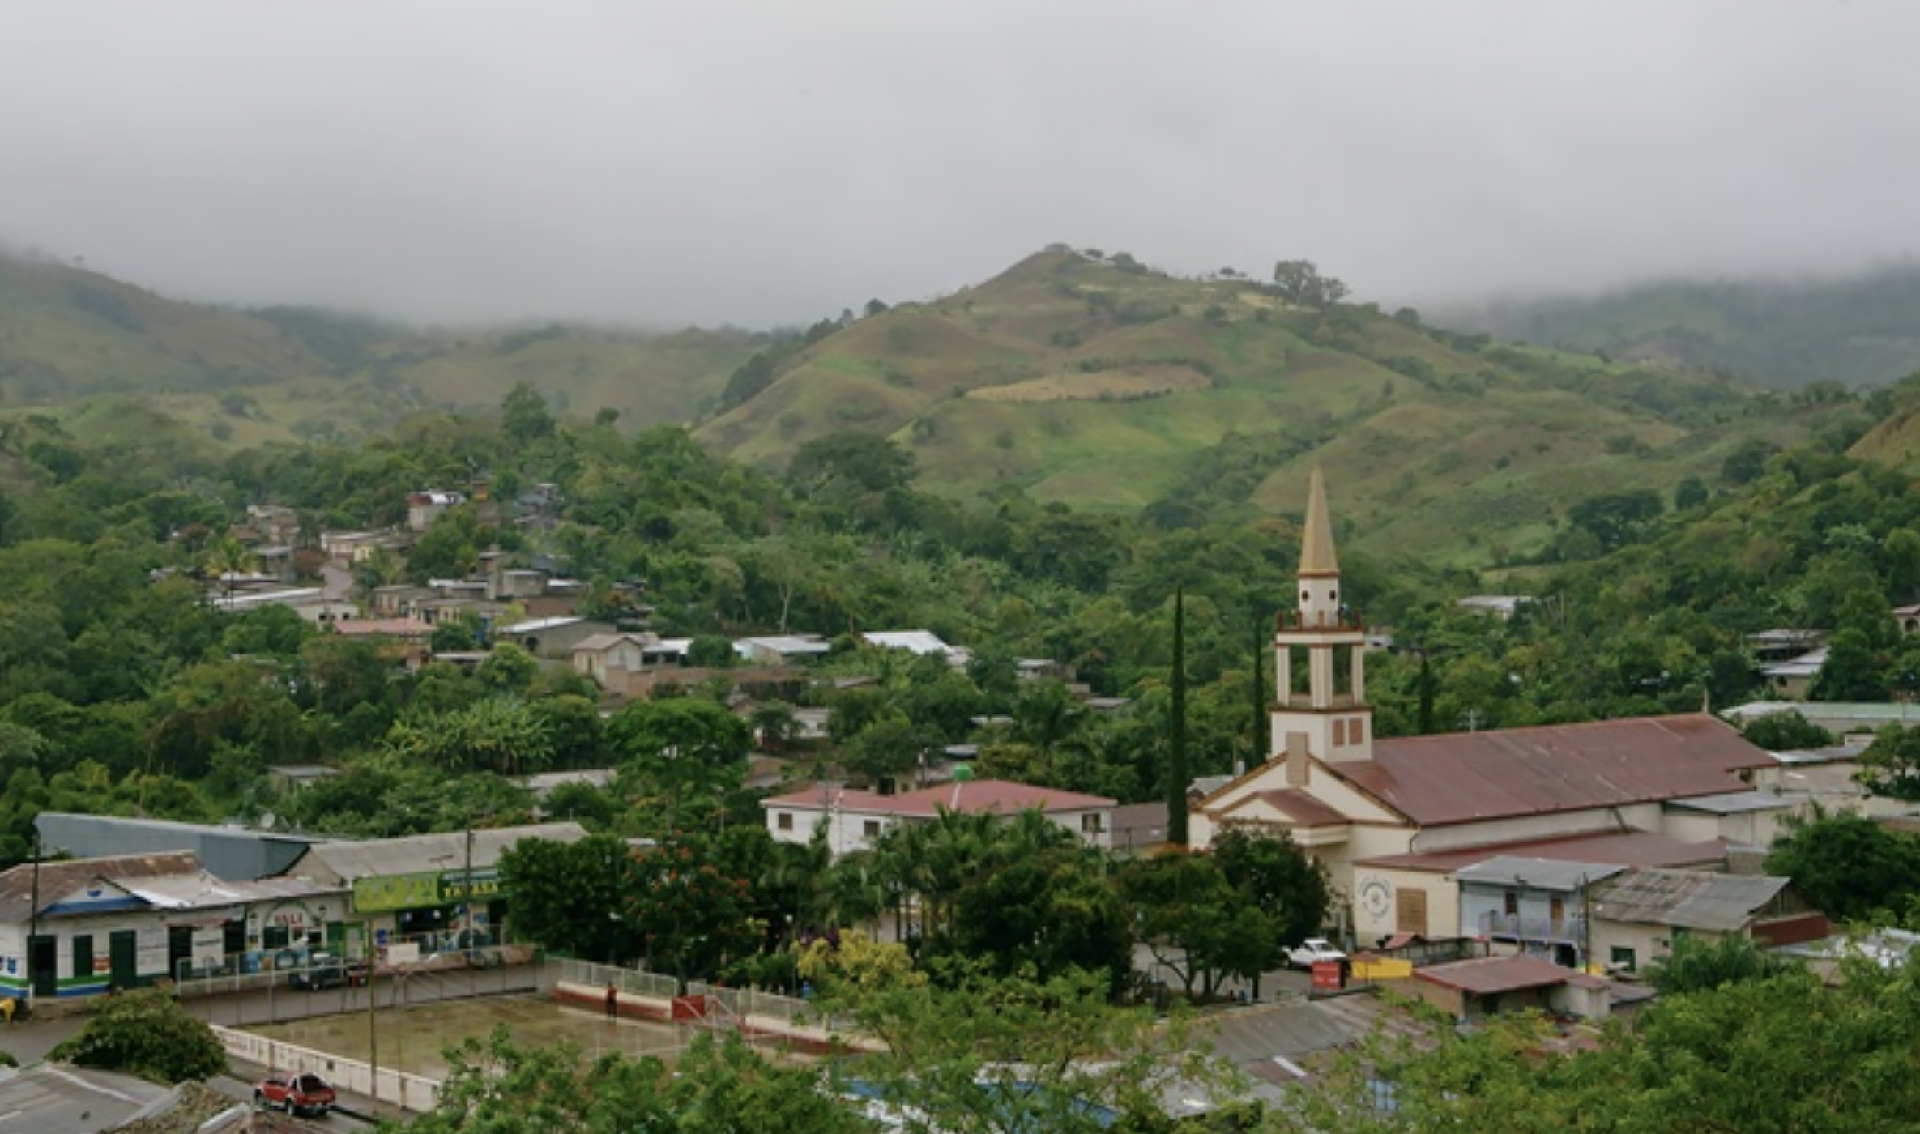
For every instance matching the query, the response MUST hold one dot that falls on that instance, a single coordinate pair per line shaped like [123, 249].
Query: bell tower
[1319, 659]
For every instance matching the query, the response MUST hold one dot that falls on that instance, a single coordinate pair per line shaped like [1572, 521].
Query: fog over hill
[763, 163]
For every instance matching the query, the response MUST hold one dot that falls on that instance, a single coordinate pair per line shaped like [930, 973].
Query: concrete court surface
[413, 1038]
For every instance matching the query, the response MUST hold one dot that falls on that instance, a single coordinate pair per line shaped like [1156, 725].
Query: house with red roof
[854, 819]
[1390, 818]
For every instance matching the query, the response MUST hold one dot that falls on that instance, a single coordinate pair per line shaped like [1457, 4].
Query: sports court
[412, 1038]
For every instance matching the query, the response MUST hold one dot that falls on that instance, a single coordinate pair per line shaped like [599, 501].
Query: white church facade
[1392, 819]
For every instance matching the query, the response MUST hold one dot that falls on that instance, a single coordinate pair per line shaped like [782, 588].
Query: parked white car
[1305, 954]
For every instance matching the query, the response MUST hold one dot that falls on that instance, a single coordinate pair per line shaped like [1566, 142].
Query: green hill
[1097, 383]
[71, 339]
[1860, 330]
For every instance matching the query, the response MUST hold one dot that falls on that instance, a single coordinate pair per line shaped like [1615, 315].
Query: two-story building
[855, 819]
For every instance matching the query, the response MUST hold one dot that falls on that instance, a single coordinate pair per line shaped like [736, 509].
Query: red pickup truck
[295, 1093]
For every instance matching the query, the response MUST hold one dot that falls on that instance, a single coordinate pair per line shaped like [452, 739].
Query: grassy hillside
[74, 341]
[1861, 330]
[1109, 387]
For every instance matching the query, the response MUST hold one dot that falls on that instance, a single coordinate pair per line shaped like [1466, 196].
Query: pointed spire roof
[1316, 545]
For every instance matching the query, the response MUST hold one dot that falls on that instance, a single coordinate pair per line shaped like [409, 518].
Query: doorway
[121, 958]
[43, 964]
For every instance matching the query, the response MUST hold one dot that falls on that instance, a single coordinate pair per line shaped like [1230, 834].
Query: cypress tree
[1258, 697]
[1177, 735]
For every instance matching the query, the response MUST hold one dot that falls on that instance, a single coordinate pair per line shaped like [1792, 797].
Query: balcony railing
[1572, 929]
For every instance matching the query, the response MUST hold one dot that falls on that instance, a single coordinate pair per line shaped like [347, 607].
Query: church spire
[1316, 546]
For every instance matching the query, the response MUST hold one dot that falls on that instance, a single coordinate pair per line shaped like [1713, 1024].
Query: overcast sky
[705, 161]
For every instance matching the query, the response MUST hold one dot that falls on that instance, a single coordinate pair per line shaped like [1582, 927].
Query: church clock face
[1376, 897]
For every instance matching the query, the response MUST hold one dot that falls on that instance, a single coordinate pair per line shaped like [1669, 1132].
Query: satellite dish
[962, 773]
[267, 820]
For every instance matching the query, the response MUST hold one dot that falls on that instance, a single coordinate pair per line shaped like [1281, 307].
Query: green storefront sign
[486, 884]
[386, 892]
[396, 892]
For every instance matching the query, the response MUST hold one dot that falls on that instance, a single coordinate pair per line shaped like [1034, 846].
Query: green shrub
[145, 1033]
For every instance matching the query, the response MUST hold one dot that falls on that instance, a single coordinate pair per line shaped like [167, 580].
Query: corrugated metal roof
[342, 862]
[1689, 899]
[598, 643]
[915, 641]
[1565, 876]
[1619, 848]
[535, 625]
[59, 878]
[1741, 802]
[994, 796]
[1487, 976]
[195, 891]
[1295, 805]
[1471, 776]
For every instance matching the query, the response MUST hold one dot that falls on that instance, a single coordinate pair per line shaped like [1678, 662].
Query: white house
[80, 927]
[1362, 807]
[854, 819]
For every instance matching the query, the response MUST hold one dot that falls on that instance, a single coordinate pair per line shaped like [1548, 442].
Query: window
[1339, 732]
[1621, 957]
[1357, 730]
[273, 937]
[1511, 906]
[783, 820]
[1090, 825]
[870, 829]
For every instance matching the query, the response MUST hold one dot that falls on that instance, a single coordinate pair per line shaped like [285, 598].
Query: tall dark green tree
[1177, 729]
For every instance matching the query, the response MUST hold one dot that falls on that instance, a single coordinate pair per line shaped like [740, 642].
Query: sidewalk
[30, 1040]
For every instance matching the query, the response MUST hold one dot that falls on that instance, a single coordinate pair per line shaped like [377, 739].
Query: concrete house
[854, 819]
[1369, 809]
[81, 927]
[1639, 914]
[1531, 905]
[598, 655]
[554, 637]
[423, 508]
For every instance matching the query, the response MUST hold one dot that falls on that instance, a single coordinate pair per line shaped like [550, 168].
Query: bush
[145, 1033]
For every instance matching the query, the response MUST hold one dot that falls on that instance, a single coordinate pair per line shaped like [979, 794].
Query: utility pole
[373, 1032]
[33, 923]
[473, 978]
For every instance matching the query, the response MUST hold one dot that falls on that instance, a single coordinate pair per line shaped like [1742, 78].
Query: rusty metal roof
[1691, 899]
[1486, 976]
[1297, 806]
[1618, 848]
[1470, 776]
[58, 878]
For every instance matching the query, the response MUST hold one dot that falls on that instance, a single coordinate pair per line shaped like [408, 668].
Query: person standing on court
[613, 1000]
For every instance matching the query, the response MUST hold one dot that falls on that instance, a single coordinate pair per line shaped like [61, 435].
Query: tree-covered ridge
[83, 346]
[1092, 380]
[1857, 329]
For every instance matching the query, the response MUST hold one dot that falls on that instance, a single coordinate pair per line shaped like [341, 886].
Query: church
[1393, 819]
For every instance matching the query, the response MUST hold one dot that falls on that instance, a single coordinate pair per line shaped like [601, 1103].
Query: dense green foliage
[1849, 867]
[147, 1033]
[497, 1087]
[1783, 1054]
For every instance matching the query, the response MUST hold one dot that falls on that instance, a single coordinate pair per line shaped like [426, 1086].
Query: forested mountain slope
[1094, 381]
[1862, 329]
[69, 335]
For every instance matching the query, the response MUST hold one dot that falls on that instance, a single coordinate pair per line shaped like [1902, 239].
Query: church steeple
[1316, 546]
[1330, 719]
